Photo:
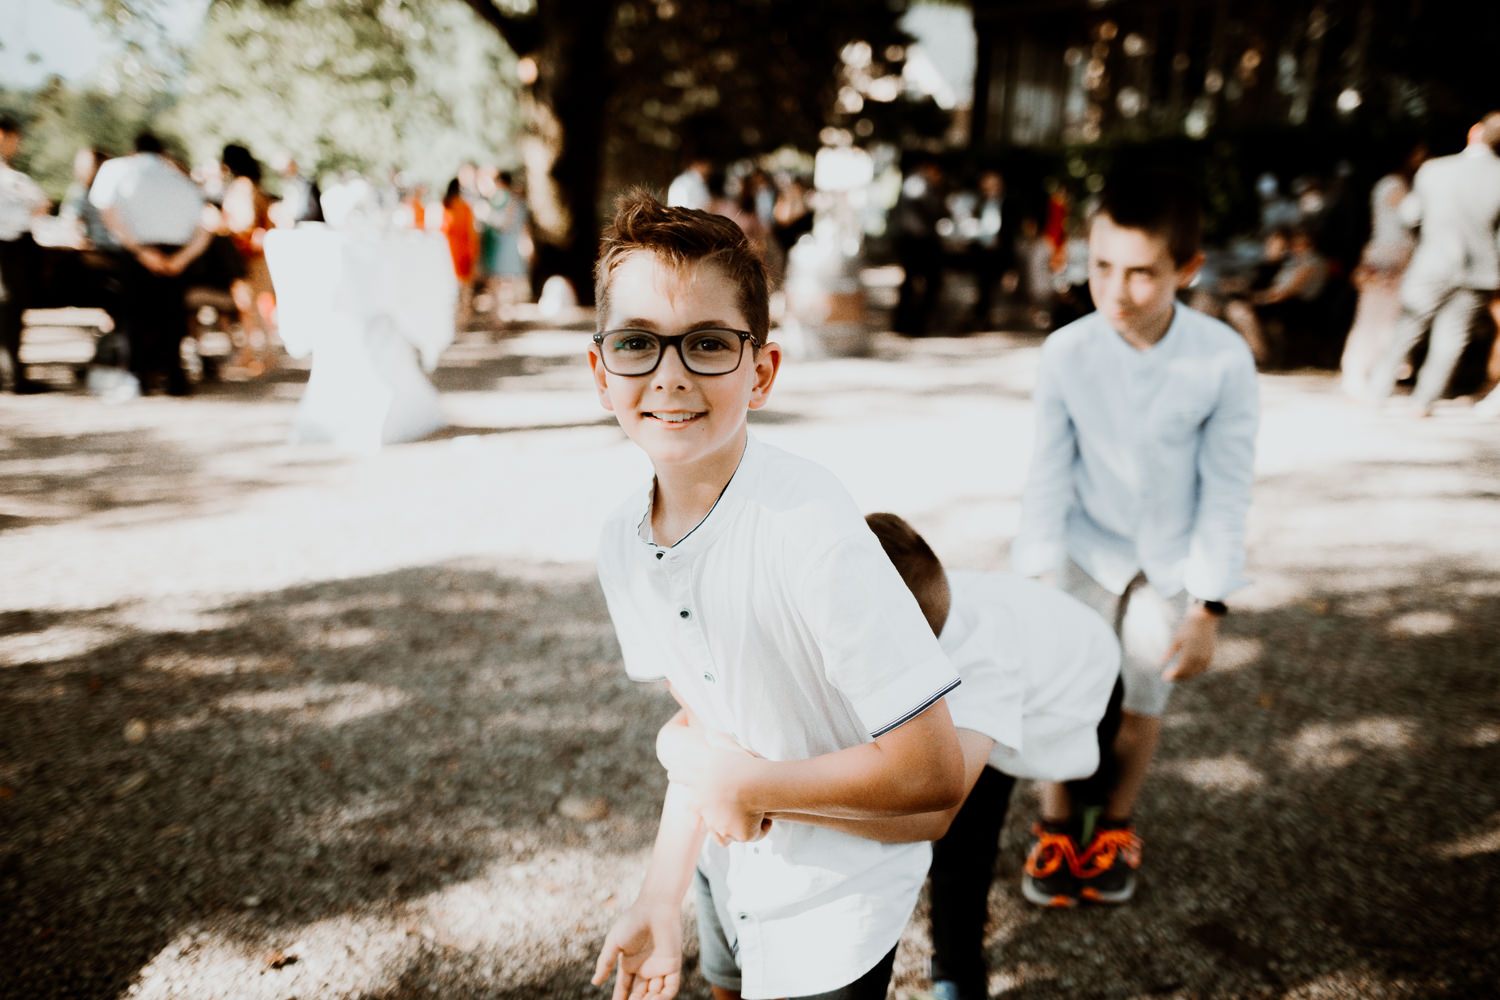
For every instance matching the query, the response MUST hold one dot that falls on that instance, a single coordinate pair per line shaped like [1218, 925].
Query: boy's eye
[633, 343]
[710, 342]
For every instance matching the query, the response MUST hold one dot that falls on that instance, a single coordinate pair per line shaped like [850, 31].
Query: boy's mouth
[673, 416]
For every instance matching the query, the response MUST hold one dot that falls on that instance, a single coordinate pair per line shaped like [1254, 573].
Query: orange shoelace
[1108, 847]
[1051, 852]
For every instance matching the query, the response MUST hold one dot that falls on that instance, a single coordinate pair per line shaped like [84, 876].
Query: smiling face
[692, 427]
[1134, 280]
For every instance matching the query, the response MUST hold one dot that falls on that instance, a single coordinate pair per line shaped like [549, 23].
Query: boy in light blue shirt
[1146, 416]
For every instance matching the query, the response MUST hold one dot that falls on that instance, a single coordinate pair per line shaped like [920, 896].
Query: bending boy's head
[1159, 202]
[918, 565]
[682, 238]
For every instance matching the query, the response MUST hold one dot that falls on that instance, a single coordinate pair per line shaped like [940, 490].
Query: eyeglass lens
[703, 352]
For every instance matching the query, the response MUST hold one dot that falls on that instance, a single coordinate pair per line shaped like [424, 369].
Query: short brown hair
[1161, 202]
[918, 565]
[683, 237]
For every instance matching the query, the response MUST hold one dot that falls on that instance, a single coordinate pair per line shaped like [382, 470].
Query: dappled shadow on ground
[51, 478]
[325, 752]
[1323, 814]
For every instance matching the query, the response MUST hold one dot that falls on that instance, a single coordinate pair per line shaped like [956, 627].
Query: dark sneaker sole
[1109, 897]
[1037, 894]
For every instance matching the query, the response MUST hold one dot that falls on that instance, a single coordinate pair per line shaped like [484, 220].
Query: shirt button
[708, 677]
[660, 554]
[744, 916]
[684, 614]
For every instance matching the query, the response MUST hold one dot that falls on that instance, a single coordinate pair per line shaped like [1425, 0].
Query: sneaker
[944, 989]
[1049, 879]
[1106, 871]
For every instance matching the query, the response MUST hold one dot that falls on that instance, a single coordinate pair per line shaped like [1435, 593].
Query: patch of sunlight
[363, 957]
[471, 600]
[1486, 734]
[69, 464]
[1236, 652]
[546, 721]
[342, 637]
[320, 704]
[1484, 842]
[204, 665]
[175, 617]
[1229, 773]
[1027, 976]
[1416, 623]
[1356, 982]
[535, 897]
[333, 607]
[1332, 745]
[60, 642]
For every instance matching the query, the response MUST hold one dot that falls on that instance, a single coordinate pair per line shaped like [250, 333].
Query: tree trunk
[564, 137]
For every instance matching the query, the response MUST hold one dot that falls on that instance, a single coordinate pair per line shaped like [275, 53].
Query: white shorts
[1145, 621]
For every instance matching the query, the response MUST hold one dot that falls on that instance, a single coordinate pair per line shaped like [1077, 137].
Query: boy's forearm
[674, 855]
[882, 829]
[916, 768]
[976, 748]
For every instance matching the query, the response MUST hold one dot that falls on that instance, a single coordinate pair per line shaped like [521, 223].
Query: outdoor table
[368, 306]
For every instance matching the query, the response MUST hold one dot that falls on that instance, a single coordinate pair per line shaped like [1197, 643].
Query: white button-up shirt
[780, 621]
[1143, 459]
[20, 200]
[157, 203]
[1038, 668]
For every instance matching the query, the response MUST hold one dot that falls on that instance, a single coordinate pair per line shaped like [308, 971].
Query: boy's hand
[646, 944]
[708, 764]
[1193, 644]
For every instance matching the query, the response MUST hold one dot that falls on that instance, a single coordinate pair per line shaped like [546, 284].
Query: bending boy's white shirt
[1038, 668]
[781, 622]
[1143, 460]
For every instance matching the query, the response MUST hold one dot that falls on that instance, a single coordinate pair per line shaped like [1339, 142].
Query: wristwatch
[1216, 608]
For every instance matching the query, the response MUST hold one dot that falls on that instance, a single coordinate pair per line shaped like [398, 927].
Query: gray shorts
[715, 954]
[716, 957]
[1145, 621]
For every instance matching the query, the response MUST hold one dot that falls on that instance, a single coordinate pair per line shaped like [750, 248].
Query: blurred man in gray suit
[1455, 270]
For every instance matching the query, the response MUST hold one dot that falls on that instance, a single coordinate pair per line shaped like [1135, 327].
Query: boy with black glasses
[746, 578]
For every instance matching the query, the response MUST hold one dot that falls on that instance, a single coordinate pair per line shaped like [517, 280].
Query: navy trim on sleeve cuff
[916, 711]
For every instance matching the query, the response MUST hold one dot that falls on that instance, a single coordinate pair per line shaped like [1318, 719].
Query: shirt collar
[713, 521]
[1160, 349]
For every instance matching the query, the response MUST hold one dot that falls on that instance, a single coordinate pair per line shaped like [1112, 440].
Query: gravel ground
[279, 722]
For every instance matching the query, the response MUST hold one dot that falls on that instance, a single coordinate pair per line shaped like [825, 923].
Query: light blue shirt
[1143, 459]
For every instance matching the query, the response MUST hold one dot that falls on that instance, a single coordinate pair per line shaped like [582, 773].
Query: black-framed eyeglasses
[703, 352]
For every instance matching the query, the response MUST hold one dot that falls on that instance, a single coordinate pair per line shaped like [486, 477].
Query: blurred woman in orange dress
[463, 244]
[245, 216]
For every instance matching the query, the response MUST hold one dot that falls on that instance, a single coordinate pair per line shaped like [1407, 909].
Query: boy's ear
[1187, 272]
[596, 368]
[767, 364]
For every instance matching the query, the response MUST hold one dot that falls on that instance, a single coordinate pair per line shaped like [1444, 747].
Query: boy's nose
[670, 371]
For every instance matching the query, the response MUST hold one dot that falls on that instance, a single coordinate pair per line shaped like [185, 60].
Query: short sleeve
[877, 648]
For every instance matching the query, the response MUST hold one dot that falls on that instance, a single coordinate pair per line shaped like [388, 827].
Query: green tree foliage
[729, 79]
[377, 83]
[369, 84]
[62, 119]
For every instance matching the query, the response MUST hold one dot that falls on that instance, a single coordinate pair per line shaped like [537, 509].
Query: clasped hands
[159, 263]
[716, 771]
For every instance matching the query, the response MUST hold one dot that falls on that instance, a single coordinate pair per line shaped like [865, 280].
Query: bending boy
[746, 578]
[1040, 700]
[1146, 415]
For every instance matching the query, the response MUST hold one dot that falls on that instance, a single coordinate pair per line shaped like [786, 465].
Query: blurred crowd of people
[154, 242]
[1316, 282]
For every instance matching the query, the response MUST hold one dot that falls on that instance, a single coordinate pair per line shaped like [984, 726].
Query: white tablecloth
[368, 307]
